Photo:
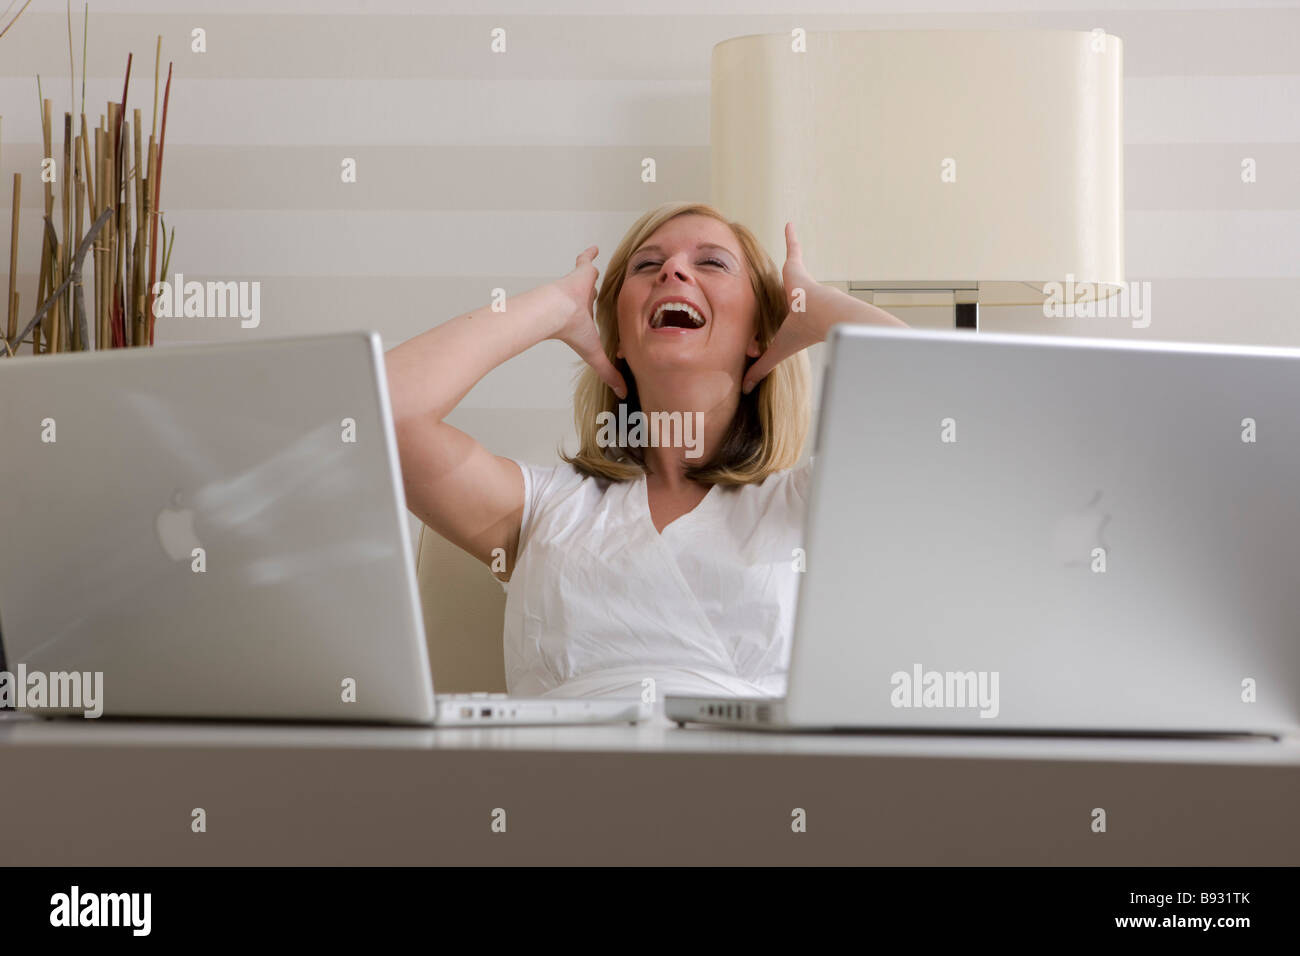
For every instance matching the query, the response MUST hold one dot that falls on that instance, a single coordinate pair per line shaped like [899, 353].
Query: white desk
[80, 792]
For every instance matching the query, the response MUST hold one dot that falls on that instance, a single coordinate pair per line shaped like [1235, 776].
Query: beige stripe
[414, 112]
[1248, 311]
[531, 113]
[651, 45]
[587, 8]
[1209, 176]
[488, 249]
[527, 433]
[489, 245]
[586, 178]
[1207, 245]
[1212, 109]
[1156, 176]
[1259, 311]
[1236, 244]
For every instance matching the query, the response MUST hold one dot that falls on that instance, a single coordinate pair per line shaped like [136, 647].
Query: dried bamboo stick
[79, 305]
[153, 213]
[111, 137]
[111, 187]
[115, 293]
[65, 258]
[48, 265]
[101, 295]
[157, 185]
[139, 169]
[128, 246]
[121, 118]
[157, 61]
[56, 322]
[85, 34]
[40, 296]
[105, 243]
[49, 248]
[79, 331]
[11, 326]
[137, 245]
[150, 194]
[137, 303]
[72, 76]
[46, 107]
[119, 237]
[91, 171]
[65, 302]
[77, 260]
[16, 16]
[122, 295]
[128, 258]
[117, 181]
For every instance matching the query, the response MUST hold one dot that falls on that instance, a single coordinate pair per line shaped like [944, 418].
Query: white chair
[464, 607]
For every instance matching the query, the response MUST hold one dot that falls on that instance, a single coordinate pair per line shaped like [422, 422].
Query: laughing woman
[672, 560]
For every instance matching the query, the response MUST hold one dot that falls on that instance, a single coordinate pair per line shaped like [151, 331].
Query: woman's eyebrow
[702, 245]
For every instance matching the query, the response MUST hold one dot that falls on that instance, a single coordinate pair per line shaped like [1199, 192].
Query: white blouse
[599, 600]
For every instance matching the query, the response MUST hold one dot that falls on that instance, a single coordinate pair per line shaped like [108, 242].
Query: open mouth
[676, 315]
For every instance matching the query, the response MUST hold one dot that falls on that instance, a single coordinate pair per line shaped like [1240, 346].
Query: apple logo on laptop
[1076, 534]
[175, 527]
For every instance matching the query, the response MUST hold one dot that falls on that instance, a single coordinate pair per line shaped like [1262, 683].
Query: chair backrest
[464, 606]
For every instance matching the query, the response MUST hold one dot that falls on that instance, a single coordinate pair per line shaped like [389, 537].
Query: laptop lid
[1029, 532]
[219, 529]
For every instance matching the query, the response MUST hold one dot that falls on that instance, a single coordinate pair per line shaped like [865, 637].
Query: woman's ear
[754, 350]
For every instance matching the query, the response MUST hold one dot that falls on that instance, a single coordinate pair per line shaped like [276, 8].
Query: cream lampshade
[974, 165]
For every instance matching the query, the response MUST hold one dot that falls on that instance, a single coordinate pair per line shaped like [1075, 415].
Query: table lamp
[929, 167]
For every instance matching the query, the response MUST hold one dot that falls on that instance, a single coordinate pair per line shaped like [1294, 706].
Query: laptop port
[466, 712]
[486, 712]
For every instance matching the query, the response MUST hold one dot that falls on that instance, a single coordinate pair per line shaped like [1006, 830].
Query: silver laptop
[220, 531]
[1027, 533]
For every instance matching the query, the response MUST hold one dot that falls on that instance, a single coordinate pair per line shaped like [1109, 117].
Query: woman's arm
[811, 315]
[834, 305]
[453, 484]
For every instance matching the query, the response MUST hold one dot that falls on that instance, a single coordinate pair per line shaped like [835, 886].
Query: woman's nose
[675, 269]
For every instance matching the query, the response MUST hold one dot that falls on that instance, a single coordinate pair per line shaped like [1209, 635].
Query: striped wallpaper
[478, 170]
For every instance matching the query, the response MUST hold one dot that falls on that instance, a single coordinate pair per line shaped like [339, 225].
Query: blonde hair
[771, 423]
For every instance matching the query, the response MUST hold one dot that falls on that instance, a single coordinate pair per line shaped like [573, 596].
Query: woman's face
[697, 259]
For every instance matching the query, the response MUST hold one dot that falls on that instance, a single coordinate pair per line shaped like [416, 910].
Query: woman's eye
[651, 262]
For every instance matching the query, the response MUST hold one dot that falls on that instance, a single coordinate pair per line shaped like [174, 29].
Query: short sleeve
[802, 479]
[538, 481]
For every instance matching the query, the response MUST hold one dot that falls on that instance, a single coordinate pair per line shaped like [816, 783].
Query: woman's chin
[681, 358]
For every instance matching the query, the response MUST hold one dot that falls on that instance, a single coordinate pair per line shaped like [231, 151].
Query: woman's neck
[695, 412]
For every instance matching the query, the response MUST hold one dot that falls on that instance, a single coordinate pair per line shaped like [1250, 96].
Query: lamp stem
[968, 315]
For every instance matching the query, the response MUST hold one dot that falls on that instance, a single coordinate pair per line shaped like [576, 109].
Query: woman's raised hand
[579, 330]
[799, 329]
